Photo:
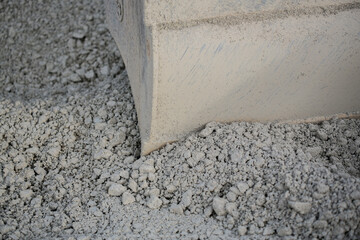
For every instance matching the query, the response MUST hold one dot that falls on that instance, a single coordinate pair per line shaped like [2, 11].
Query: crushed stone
[70, 164]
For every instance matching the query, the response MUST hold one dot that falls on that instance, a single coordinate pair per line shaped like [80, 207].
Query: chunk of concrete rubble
[102, 153]
[116, 189]
[206, 132]
[242, 186]
[186, 199]
[176, 208]
[90, 75]
[105, 70]
[284, 231]
[154, 202]
[54, 152]
[219, 206]
[323, 188]
[242, 230]
[146, 168]
[127, 198]
[300, 207]
[26, 194]
[133, 185]
[355, 195]
[320, 224]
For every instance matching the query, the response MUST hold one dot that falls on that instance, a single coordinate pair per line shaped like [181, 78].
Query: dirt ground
[70, 165]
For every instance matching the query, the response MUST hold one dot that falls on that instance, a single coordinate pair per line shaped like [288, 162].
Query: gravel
[70, 164]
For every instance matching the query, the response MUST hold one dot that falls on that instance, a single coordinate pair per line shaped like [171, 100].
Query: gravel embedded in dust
[70, 165]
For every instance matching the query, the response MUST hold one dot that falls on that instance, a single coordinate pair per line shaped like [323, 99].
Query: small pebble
[243, 187]
[26, 194]
[127, 198]
[284, 231]
[300, 207]
[116, 189]
[242, 230]
[154, 203]
[219, 206]
[105, 70]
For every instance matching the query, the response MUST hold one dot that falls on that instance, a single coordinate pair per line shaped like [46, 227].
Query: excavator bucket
[191, 62]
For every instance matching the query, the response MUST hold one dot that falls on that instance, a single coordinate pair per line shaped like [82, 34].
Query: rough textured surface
[196, 61]
[168, 12]
[70, 165]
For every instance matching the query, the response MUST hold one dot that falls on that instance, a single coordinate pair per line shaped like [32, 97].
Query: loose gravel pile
[70, 165]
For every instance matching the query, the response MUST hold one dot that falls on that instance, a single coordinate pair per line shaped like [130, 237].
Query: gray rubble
[70, 165]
